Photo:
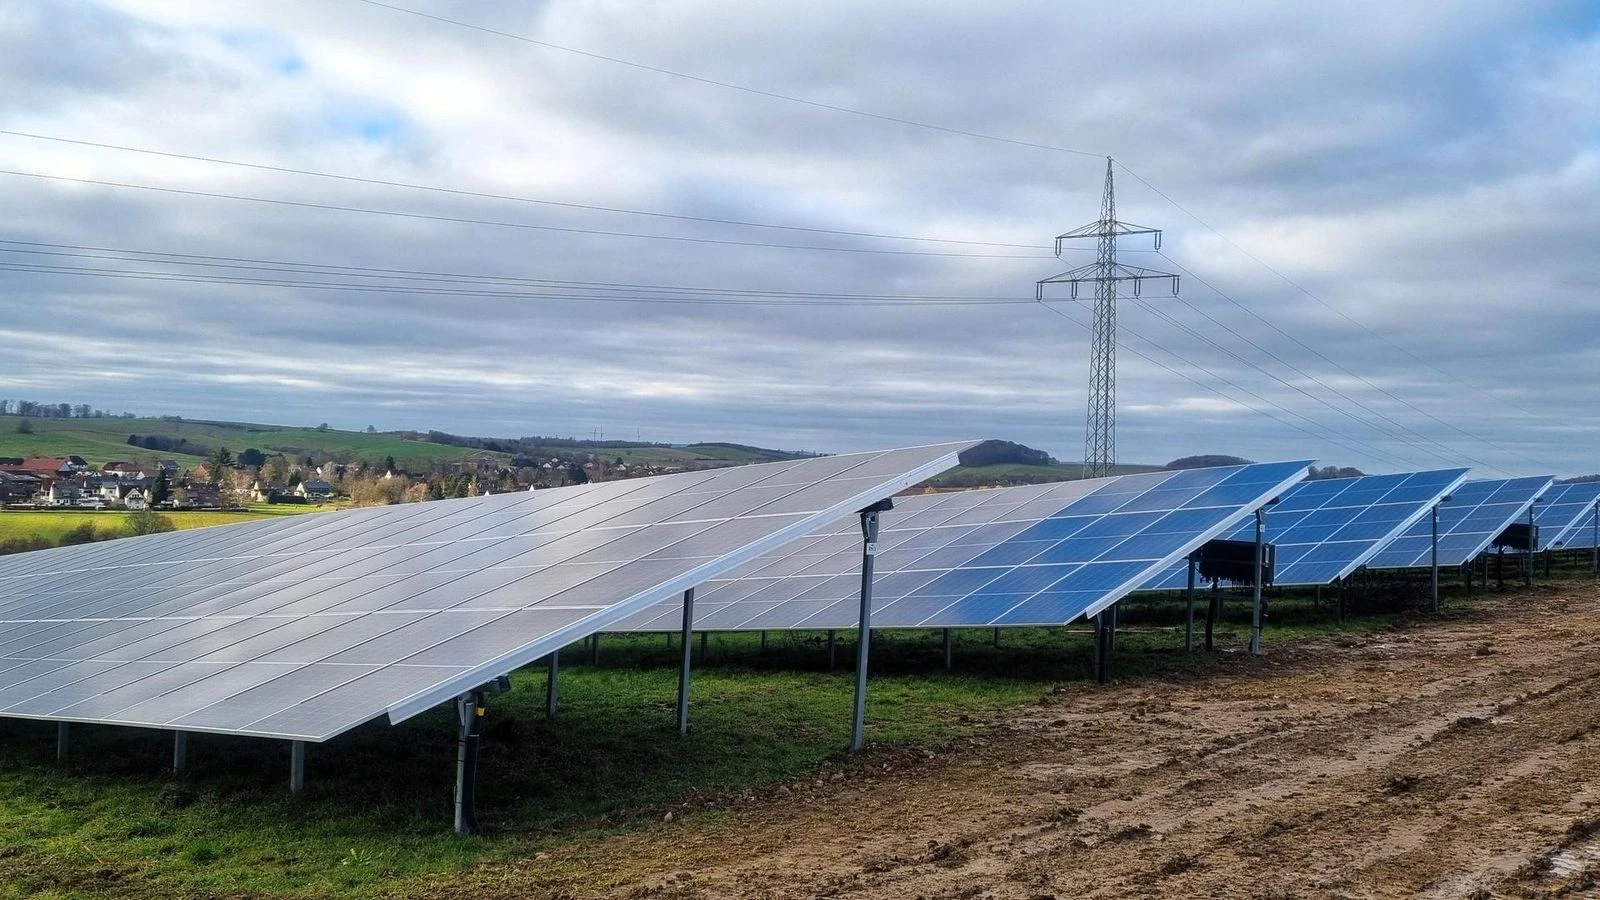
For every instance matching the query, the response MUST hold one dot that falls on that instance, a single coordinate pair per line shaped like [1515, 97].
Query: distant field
[52, 525]
[102, 440]
[991, 476]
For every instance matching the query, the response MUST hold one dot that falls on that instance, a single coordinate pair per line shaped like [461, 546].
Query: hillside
[101, 440]
[1016, 473]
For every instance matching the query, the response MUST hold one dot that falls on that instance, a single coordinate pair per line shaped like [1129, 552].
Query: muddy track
[1457, 758]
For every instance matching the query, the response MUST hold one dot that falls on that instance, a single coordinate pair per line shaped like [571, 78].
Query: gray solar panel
[1034, 555]
[304, 628]
[1324, 530]
[1565, 515]
[1477, 513]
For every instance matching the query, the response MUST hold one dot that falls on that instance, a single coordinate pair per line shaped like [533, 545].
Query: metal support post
[1116, 614]
[1188, 623]
[705, 646]
[1466, 575]
[763, 641]
[949, 649]
[1102, 647]
[552, 681]
[833, 640]
[1341, 599]
[997, 638]
[1434, 549]
[594, 649]
[1260, 574]
[1527, 557]
[297, 767]
[63, 740]
[869, 553]
[688, 654]
[469, 710]
[180, 752]
[1500, 567]
[1596, 560]
[1213, 611]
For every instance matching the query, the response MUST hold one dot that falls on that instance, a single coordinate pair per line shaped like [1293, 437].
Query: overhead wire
[1343, 369]
[237, 263]
[487, 195]
[732, 86]
[461, 220]
[1324, 432]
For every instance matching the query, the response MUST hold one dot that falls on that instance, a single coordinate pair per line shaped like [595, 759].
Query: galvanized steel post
[869, 553]
[1260, 574]
[551, 682]
[297, 766]
[1188, 625]
[180, 752]
[1434, 582]
[688, 655]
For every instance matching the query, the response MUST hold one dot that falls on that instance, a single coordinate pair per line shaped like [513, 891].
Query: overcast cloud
[1421, 179]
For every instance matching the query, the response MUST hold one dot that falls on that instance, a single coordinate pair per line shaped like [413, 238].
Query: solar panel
[1032, 555]
[304, 628]
[1476, 514]
[1563, 514]
[1324, 530]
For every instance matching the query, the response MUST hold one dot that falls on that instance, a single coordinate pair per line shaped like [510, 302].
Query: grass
[1016, 473]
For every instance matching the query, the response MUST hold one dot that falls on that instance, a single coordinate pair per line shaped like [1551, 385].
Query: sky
[1385, 216]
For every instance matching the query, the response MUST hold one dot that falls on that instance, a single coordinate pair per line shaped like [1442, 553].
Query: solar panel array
[1324, 530]
[1565, 515]
[304, 628]
[1033, 555]
[1477, 513]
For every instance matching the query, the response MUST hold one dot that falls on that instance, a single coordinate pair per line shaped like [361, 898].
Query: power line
[1313, 351]
[355, 179]
[728, 85]
[1328, 435]
[195, 260]
[208, 278]
[458, 220]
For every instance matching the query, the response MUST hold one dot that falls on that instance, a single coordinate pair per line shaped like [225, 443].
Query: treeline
[1326, 472]
[162, 443]
[1208, 461]
[32, 409]
[523, 446]
[1002, 453]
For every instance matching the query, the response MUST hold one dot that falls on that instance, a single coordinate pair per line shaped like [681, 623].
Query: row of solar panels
[307, 627]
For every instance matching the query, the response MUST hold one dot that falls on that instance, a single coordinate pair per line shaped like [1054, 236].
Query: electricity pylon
[1100, 435]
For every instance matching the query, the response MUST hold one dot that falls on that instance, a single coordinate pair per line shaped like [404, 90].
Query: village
[226, 482]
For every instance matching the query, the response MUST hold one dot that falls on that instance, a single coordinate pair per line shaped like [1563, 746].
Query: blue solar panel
[1033, 555]
[1476, 514]
[1324, 530]
[1565, 515]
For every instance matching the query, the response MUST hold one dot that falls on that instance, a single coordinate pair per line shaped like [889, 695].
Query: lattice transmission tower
[1106, 274]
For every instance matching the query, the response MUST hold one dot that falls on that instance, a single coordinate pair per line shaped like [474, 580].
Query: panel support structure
[869, 553]
[63, 740]
[1527, 569]
[297, 767]
[469, 712]
[833, 640]
[949, 649]
[688, 657]
[1261, 564]
[1433, 577]
[180, 752]
[1188, 623]
[552, 682]
[1596, 525]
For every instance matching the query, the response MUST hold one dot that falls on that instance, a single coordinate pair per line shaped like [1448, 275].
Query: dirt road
[1456, 758]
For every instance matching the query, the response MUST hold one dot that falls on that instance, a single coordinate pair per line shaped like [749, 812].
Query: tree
[160, 489]
[252, 458]
[371, 430]
[23, 427]
[324, 427]
[276, 469]
[146, 521]
[388, 464]
[219, 464]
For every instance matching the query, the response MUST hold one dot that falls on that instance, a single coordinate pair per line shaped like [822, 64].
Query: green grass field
[1013, 473]
[51, 525]
[375, 818]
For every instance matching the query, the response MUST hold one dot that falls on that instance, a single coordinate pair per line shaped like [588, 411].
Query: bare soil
[1453, 758]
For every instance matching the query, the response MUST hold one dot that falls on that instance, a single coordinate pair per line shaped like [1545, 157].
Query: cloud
[1423, 180]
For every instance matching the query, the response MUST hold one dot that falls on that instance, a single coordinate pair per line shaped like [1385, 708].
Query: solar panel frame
[1562, 514]
[1478, 512]
[1068, 574]
[1324, 530]
[301, 629]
